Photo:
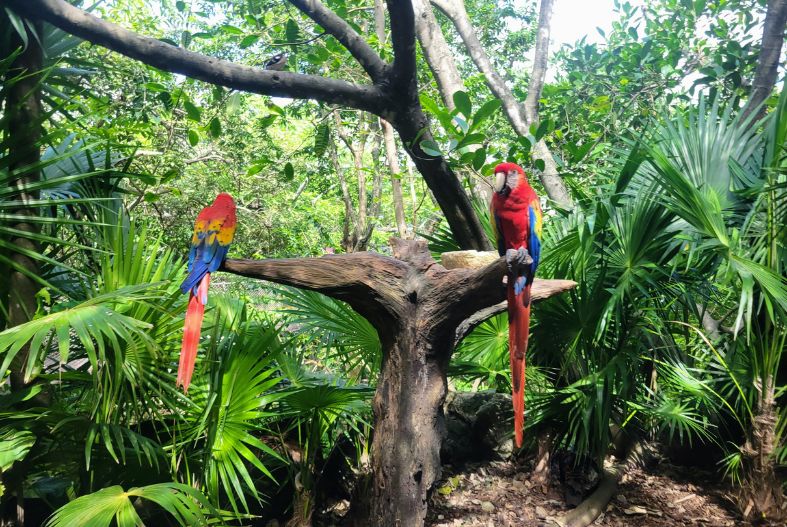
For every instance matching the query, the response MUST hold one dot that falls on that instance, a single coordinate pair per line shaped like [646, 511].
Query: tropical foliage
[674, 334]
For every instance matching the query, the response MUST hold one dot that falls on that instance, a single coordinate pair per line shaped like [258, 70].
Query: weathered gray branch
[369, 60]
[437, 53]
[515, 112]
[540, 60]
[195, 65]
[379, 287]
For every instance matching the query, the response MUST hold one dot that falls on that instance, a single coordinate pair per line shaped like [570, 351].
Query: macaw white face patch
[500, 181]
[508, 180]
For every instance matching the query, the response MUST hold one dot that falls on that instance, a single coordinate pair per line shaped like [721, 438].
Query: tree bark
[23, 118]
[396, 178]
[516, 113]
[415, 305]
[437, 53]
[348, 225]
[540, 60]
[23, 130]
[770, 56]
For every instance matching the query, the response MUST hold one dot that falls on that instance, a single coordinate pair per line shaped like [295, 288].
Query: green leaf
[479, 158]
[248, 40]
[19, 26]
[540, 165]
[463, 104]
[289, 172]
[113, 506]
[193, 137]
[291, 31]
[180, 5]
[543, 128]
[268, 120]
[155, 86]
[471, 139]
[14, 446]
[233, 102]
[430, 148]
[215, 127]
[321, 138]
[525, 142]
[192, 111]
[483, 113]
[231, 30]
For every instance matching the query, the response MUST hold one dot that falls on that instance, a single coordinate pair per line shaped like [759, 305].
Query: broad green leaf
[14, 446]
[215, 128]
[463, 104]
[292, 31]
[192, 111]
[193, 136]
[113, 506]
[479, 158]
[289, 171]
[486, 110]
[430, 147]
[248, 41]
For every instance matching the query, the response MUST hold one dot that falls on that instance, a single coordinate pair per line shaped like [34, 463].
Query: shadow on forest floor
[499, 494]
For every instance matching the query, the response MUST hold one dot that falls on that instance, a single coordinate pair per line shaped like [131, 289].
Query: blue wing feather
[203, 258]
[533, 244]
[210, 250]
[219, 254]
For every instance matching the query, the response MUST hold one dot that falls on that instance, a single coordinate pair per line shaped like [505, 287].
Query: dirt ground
[500, 494]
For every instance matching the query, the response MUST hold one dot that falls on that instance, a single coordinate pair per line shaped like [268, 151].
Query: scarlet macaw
[213, 233]
[517, 224]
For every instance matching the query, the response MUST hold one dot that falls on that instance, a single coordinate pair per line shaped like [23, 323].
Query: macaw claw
[516, 260]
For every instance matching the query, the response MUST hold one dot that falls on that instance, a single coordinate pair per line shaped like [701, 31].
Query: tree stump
[420, 310]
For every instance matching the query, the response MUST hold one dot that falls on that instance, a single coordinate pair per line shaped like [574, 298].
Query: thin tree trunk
[362, 230]
[348, 225]
[515, 112]
[413, 197]
[437, 53]
[770, 56]
[388, 139]
[23, 114]
[396, 177]
[540, 60]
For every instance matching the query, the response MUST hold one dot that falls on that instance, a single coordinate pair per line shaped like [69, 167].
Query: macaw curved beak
[500, 181]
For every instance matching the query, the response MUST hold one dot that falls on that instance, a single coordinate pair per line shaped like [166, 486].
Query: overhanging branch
[195, 65]
[369, 60]
[369, 282]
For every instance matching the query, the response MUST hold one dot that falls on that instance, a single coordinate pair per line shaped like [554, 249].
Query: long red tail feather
[518, 330]
[191, 333]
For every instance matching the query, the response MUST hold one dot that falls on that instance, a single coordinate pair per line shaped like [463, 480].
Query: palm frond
[185, 504]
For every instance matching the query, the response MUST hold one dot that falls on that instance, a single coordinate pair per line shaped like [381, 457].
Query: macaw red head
[507, 177]
[224, 200]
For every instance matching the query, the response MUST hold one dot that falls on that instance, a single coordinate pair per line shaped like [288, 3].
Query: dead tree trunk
[416, 306]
